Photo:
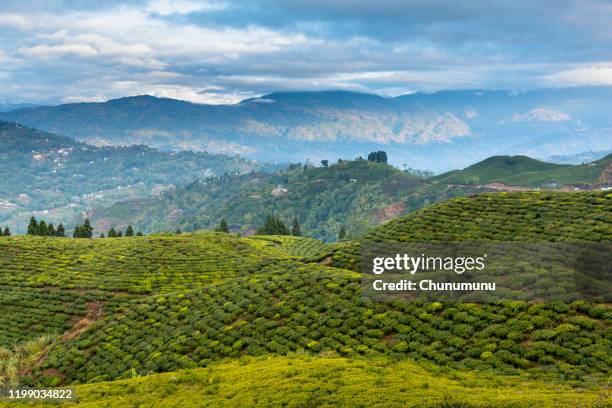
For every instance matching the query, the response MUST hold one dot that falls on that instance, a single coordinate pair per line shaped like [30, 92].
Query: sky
[222, 51]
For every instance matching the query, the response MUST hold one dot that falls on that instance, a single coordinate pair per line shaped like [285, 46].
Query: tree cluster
[42, 229]
[129, 232]
[83, 231]
[378, 157]
[6, 232]
[275, 226]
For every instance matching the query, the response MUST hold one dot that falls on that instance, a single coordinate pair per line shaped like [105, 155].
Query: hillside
[57, 178]
[305, 381]
[525, 171]
[356, 195]
[456, 127]
[127, 307]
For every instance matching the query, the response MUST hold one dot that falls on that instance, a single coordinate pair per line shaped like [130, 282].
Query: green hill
[301, 381]
[356, 195]
[58, 178]
[525, 171]
[125, 307]
[520, 217]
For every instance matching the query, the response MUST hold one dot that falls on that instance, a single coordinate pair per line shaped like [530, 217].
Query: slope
[525, 171]
[298, 381]
[356, 195]
[273, 302]
[42, 172]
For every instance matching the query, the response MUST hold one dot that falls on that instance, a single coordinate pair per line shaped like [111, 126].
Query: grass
[300, 381]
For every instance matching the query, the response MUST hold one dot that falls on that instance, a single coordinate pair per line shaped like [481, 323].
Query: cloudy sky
[222, 51]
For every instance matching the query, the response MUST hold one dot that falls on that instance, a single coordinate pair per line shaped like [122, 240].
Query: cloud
[51, 51]
[588, 75]
[168, 7]
[222, 50]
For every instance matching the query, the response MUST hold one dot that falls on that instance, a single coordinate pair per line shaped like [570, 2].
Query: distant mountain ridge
[437, 131]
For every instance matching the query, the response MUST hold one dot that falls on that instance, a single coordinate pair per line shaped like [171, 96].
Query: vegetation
[42, 229]
[358, 195]
[378, 157]
[301, 381]
[524, 171]
[204, 302]
[45, 172]
[273, 226]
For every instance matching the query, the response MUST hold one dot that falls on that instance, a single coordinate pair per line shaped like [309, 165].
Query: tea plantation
[506, 217]
[241, 314]
[303, 381]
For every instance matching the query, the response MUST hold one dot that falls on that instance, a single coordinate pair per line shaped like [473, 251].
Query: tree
[83, 231]
[112, 233]
[273, 226]
[43, 230]
[60, 232]
[119, 234]
[325, 163]
[7, 232]
[178, 231]
[33, 227]
[223, 227]
[342, 233]
[378, 157]
[51, 230]
[295, 229]
[87, 229]
[102, 235]
[129, 232]
[139, 234]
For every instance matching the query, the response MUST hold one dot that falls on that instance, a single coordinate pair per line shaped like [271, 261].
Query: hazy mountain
[438, 131]
[57, 178]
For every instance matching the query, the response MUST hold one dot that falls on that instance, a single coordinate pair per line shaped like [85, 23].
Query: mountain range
[432, 131]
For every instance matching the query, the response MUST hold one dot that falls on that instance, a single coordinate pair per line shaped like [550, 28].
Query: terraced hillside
[48, 283]
[173, 302]
[520, 217]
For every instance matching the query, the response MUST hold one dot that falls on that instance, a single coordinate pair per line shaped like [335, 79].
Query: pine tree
[42, 230]
[112, 233]
[178, 231]
[342, 233]
[273, 226]
[60, 231]
[119, 234]
[33, 227]
[223, 227]
[77, 233]
[139, 234]
[102, 235]
[7, 232]
[87, 229]
[51, 230]
[296, 230]
[129, 232]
